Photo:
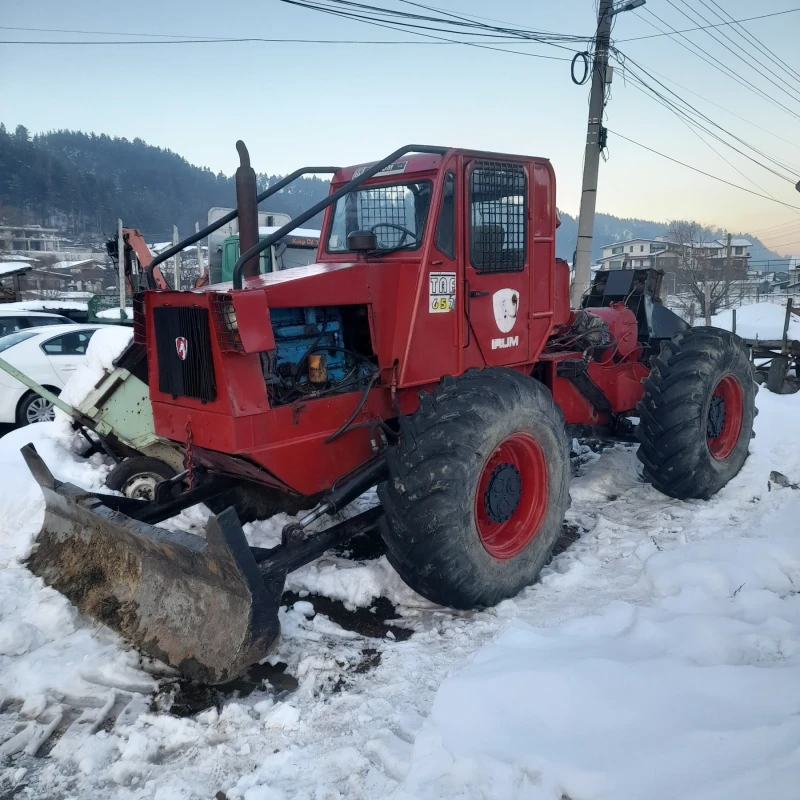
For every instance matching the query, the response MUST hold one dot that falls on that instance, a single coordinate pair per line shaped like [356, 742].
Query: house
[30, 238]
[10, 274]
[660, 253]
[634, 253]
[86, 276]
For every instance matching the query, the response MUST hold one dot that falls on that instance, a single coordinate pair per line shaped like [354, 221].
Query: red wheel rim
[511, 499]
[724, 422]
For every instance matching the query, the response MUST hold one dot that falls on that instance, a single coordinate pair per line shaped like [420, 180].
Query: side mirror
[362, 241]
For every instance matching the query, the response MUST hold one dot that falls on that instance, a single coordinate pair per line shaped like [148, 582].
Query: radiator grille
[183, 349]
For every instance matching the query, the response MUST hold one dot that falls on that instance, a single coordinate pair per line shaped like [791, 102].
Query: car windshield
[14, 338]
[396, 214]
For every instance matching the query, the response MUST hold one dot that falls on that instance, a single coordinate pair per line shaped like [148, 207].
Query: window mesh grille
[498, 217]
[384, 207]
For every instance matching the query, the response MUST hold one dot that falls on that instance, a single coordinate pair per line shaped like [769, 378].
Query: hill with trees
[82, 182]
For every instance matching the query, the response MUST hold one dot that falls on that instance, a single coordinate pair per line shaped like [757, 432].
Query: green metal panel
[230, 255]
[120, 404]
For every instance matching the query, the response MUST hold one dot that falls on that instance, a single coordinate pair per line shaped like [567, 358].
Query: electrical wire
[684, 109]
[703, 55]
[750, 61]
[755, 40]
[703, 27]
[702, 172]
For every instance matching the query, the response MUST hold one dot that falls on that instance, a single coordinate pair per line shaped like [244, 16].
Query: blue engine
[296, 330]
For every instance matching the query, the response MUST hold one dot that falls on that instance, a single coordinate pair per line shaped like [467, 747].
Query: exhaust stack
[247, 205]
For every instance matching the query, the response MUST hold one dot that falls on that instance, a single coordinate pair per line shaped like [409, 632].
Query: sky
[296, 104]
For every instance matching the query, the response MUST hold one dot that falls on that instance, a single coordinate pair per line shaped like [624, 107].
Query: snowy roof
[631, 241]
[8, 267]
[50, 305]
[70, 264]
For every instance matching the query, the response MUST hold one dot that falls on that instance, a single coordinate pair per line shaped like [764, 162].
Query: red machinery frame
[286, 446]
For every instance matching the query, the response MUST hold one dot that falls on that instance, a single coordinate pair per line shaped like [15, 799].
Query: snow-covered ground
[658, 657]
[763, 321]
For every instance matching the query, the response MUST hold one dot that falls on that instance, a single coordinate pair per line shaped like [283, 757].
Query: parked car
[49, 355]
[13, 320]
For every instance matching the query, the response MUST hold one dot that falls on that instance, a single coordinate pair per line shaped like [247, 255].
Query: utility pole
[200, 265]
[121, 259]
[176, 264]
[595, 142]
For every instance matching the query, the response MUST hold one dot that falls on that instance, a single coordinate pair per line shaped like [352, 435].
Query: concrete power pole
[595, 142]
[121, 258]
[176, 264]
[200, 265]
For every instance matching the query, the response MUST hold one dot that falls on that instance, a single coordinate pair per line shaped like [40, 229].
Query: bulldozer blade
[198, 604]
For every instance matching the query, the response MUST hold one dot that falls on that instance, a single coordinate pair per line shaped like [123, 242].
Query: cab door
[497, 260]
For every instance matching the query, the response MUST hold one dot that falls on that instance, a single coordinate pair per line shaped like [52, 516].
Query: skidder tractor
[431, 352]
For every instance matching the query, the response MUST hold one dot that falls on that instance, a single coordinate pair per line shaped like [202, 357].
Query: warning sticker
[442, 295]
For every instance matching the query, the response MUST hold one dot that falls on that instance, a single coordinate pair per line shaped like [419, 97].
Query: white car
[49, 356]
[17, 319]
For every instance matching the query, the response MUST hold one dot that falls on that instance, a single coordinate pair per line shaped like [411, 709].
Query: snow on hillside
[658, 657]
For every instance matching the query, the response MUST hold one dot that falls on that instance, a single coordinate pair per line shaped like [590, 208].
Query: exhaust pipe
[247, 206]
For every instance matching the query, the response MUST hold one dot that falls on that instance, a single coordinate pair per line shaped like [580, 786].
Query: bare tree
[703, 276]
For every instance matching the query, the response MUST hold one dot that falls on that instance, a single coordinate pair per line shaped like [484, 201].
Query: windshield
[396, 214]
[288, 257]
[9, 340]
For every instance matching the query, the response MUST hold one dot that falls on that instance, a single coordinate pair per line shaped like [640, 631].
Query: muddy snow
[657, 657]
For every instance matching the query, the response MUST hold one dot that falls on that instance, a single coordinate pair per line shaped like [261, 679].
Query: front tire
[478, 488]
[138, 477]
[696, 415]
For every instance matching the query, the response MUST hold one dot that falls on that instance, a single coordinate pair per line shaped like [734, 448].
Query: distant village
[40, 263]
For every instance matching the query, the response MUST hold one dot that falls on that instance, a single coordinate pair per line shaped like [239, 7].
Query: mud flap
[198, 604]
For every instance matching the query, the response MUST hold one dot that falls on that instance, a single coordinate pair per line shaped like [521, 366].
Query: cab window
[498, 218]
[445, 229]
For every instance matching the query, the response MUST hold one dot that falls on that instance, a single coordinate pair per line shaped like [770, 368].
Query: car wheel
[34, 408]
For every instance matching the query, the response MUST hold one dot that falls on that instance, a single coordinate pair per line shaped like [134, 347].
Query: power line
[284, 41]
[792, 169]
[703, 27]
[716, 63]
[651, 71]
[752, 37]
[750, 61]
[690, 122]
[702, 172]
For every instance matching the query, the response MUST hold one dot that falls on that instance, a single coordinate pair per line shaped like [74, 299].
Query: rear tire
[478, 488]
[696, 415]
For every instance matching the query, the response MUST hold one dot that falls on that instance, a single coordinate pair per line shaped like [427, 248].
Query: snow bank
[104, 346]
[758, 321]
[113, 313]
[621, 704]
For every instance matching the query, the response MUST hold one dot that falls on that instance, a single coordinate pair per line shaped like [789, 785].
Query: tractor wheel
[478, 488]
[254, 502]
[778, 372]
[696, 416]
[137, 477]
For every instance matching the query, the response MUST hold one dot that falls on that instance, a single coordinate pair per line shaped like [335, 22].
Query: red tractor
[430, 352]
